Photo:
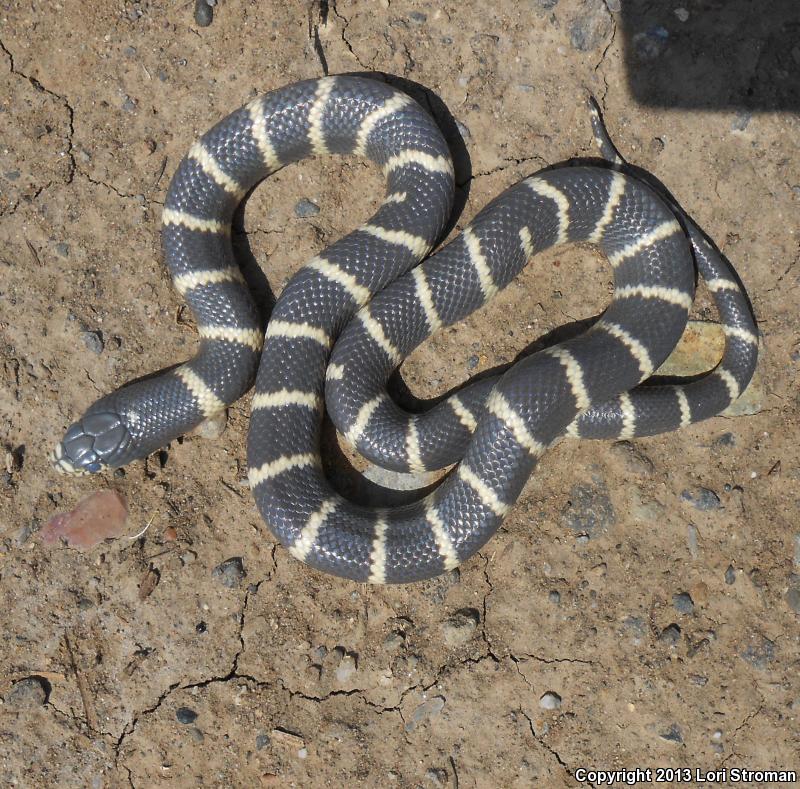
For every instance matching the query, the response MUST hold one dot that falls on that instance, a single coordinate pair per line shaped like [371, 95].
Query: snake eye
[93, 468]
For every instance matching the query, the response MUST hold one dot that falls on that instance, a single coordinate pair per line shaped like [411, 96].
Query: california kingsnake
[494, 431]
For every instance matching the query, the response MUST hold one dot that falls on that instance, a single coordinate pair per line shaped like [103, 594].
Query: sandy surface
[570, 641]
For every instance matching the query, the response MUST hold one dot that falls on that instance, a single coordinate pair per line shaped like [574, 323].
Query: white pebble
[550, 701]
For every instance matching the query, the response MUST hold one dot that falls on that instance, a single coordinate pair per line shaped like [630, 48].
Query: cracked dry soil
[557, 647]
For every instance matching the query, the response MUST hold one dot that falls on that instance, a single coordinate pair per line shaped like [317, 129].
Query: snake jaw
[91, 445]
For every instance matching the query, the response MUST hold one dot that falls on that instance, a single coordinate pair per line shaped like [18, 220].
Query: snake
[349, 317]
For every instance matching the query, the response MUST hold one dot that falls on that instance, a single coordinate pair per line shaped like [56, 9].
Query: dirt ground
[639, 606]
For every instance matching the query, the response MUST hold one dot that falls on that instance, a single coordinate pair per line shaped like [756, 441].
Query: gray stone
[28, 693]
[760, 652]
[554, 597]
[672, 734]
[683, 602]
[393, 642]
[793, 599]
[93, 340]
[670, 635]
[230, 573]
[703, 499]
[460, 627]
[305, 208]
[590, 29]
[635, 460]
[730, 576]
[436, 776]
[185, 715]
[741, 120]
[426, 711]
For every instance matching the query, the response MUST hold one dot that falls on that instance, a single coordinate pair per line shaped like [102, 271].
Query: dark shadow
[713, 54]
[353, 485]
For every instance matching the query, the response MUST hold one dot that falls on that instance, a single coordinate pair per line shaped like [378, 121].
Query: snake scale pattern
[350, 316]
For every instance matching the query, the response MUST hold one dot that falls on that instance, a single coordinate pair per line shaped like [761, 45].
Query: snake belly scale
[368, 290]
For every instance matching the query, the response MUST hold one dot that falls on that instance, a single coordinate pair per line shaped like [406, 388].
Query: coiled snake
[368, 291]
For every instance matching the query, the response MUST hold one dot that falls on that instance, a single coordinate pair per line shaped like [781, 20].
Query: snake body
[367, 290]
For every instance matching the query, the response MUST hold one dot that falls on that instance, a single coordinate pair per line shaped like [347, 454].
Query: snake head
[92, 444]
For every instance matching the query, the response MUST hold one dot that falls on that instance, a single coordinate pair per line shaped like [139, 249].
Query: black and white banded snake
[367, 290]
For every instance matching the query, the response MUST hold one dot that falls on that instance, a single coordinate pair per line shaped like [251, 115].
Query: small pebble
[724, 440]
[472, 362]
[550, 701]
[703, 499]
[203, 13]
[346, 668]
[93, 340]
[305, 208]
[393, 642]
[185, 715]
[698, 679]
[636, 625]
[460, 627]
[28, 693]
[463, 130]
[635, 460]
[793, 599]
[12, 175]
[741, 120]
[682, 14]
[427, 710]
[672, 734]
[436, 776]
[730, 575]
[683, 603]
[230, 573]
[129, 104]
[588, 31]
[196, 734]
[554, 597]
[62, 249]
[670, 635]
[547, 4]
[288, 740]
[759, 652]
[262, 740]
[691, 540]
[418, 17]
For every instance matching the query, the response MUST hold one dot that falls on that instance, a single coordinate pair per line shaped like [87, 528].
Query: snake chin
[92, 445]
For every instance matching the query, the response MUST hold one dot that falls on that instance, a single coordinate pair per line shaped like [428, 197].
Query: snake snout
[91, 445]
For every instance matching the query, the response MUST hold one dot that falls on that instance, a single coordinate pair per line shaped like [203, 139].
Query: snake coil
[368, 291]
